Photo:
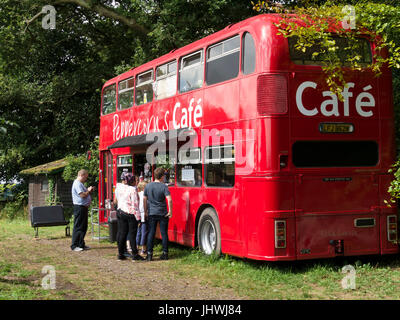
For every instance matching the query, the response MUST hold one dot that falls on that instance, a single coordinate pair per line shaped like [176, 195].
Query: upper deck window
[191, 72]
[144, 87]
[223, 60]
[109, 99]
[248, 54]
[125, 93]
[345, 51]
[165, 85]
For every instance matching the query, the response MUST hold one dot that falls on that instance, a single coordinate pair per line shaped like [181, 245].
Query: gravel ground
[155, 280]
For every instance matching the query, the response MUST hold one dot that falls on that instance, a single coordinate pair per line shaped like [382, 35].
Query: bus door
[336, 215]
[106, 179]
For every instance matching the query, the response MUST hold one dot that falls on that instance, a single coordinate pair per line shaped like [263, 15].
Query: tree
[50, 79]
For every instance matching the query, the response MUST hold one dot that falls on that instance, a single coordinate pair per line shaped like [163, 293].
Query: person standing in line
[81, 199]
[155, 207]
[141, 238]
[127, 201]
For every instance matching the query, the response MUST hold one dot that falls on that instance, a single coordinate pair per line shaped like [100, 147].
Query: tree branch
[101, 10]
[28, 22]
[106, 12]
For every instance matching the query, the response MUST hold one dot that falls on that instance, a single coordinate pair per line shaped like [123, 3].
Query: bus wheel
[209, 232]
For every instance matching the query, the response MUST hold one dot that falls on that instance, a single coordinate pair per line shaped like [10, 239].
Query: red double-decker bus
[262, 160]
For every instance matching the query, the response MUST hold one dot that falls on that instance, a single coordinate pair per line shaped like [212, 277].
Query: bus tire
[209, 232]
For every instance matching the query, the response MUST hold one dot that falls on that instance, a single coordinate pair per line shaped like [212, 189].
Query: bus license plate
[336, 127]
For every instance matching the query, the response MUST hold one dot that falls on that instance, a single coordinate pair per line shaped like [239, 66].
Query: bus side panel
[181, 226]
[266, 199]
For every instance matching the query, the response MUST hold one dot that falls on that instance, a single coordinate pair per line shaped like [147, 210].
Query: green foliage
[82, 161]
[14, 206]
[312, 26]
[52, 199]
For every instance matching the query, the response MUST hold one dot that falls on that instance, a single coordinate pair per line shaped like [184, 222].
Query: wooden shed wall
[37, 197]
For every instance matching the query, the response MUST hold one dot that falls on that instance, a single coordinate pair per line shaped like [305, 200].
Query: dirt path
[97, 274]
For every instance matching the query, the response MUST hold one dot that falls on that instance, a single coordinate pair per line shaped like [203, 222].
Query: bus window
[345, 51]
[309, 154]
[165, 85]
[109, 99]
[248, 54]
[190, 173]
[220, 166]
[191, 72]
[144, 87]
[125, 94]
[223, 61]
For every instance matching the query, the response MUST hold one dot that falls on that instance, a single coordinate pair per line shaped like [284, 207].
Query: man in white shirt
[81, 199]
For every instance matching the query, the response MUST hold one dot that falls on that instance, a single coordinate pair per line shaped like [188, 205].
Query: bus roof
[173, 54]
[253, 23]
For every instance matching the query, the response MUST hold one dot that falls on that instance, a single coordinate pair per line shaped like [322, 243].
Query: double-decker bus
[263, 161]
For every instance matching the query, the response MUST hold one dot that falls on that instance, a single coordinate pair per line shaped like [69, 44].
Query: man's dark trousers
[153, 220]
[80, 226]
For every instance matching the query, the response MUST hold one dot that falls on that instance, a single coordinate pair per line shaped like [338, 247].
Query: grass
[376, 277]
[22, 258]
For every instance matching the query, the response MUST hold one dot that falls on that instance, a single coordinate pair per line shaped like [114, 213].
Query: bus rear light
[281, 244]
[392, 228]
[280, 234]
[271, 94]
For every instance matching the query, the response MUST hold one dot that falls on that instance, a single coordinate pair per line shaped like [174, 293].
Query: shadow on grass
[25, 282]
[178, 251]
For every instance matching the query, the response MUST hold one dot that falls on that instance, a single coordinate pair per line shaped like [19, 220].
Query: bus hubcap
[208, 237]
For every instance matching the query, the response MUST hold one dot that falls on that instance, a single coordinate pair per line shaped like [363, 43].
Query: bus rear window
[307, 154]
[345, 52]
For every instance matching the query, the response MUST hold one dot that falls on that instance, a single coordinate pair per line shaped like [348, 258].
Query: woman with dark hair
[127, 201]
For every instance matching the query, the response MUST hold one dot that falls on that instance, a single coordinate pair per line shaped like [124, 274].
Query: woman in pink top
[127, 201]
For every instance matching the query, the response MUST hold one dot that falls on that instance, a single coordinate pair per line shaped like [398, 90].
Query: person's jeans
[141, 238]
[127, 223]
[153, 220]
[80, 226]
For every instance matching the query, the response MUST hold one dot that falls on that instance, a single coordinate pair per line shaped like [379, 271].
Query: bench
[48, 216]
